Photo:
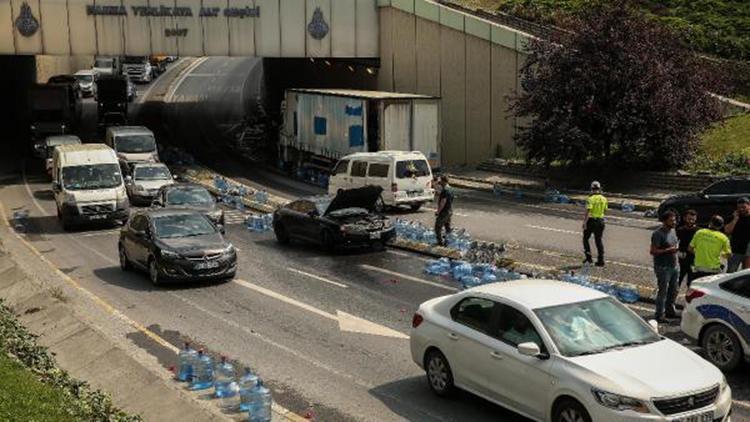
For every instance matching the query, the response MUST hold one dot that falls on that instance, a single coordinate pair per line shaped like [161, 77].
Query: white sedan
[554, 351]
[717, 317]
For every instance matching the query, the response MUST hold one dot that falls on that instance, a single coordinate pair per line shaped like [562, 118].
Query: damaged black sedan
[347, 220]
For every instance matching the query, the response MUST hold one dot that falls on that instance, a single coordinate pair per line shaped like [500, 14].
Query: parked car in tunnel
[346, 220]
[179, 245]
[719, 198]
[190, 196]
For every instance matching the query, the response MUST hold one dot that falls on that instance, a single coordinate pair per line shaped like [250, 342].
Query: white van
[406, 177]
[133, 144]
[88, 185]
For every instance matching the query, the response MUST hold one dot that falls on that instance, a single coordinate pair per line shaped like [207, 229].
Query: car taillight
[694, 294]
[416, 320]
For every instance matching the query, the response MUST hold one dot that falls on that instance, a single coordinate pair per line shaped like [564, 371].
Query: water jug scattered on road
[203, 372]
[187, 359]
[260, 404]
[247, 384]
[224, 375]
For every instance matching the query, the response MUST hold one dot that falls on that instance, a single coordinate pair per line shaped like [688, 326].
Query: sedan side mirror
[56, 187]
[531, 349]
[128, 179]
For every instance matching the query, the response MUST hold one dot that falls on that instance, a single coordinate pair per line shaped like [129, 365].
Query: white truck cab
[88, 185]
[133, 144]
[406, 177]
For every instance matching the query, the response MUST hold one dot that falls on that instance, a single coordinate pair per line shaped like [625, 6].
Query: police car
[717, 316]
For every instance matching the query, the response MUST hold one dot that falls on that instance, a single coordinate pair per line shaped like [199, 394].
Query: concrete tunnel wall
[472, 74]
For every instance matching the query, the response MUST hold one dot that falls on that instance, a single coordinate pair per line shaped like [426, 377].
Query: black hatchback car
[175, 245]
[719, 198]
[189, 196]
[347, 220]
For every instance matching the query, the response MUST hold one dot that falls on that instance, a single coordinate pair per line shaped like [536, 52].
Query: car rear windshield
[97, 176]
[189, 196]
[85, 78]
[412, 168]
[135, 143]
[152, 173]
[183, 225]
[592, 327]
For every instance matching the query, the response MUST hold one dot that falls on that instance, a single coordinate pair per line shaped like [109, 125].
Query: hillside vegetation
[716, 27]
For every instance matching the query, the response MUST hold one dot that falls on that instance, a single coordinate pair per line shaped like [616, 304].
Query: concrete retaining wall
[47, 66]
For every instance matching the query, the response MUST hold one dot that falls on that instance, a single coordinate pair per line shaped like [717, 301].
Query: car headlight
[618, 402]
[724, 385]
[139, 188]
[351, 229]
[165, 253]
[229, 250]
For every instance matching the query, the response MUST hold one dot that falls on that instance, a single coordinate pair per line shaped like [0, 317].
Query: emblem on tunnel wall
[26, 23]
[318, 28]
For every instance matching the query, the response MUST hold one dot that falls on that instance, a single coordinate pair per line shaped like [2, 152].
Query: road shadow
[138, 280]
[412, 399]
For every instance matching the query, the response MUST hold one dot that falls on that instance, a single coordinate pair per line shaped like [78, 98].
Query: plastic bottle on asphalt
[260, 404]
[187, 359]
[248, 382]
[224, 375]
[203, 372]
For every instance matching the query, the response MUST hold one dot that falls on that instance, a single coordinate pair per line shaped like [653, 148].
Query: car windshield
[322, 203]
[189, 196]
[587, 328]
[412, 168]
[103, 63]
[97, 176]
[85, 78]
[152, 173]
[135, 143]
[182, 225]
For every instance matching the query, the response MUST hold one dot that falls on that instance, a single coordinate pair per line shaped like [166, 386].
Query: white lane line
[408, 277]
[317, 277]
[101, 233]
[551, 229]
[285, 299]
[407, 255]
[28, 190]
[169, 97]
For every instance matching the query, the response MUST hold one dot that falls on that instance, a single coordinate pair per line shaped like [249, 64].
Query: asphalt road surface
[327, 332]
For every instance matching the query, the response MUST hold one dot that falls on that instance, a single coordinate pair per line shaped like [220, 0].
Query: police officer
[593, 223]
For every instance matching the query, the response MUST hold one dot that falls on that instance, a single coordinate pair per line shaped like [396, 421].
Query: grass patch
[732, 135]
[23, 397]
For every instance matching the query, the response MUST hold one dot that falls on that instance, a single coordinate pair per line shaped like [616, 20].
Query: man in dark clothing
[685, 234]
[664, 248]
[444, 210]
[738, 231]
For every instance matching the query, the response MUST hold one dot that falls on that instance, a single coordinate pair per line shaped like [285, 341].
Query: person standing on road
[593, 223]
[739, 231]
[685, 234]
[709, 246]
[664, 248]
[444, 210]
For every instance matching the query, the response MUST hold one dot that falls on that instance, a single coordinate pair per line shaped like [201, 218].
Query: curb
[510, 188]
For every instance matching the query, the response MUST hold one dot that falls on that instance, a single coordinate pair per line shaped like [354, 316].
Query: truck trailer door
[426, 128]
[396, 131]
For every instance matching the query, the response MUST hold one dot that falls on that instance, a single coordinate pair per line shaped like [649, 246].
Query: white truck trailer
[322, 125]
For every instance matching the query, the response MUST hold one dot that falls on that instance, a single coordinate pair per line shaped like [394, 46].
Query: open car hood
[364, 197]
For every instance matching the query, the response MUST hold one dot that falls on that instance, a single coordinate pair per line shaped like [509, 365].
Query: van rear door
[413, 175]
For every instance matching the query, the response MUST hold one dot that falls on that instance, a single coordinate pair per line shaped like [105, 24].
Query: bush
[619, 89]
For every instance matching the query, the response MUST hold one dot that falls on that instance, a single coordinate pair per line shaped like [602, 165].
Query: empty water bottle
[231, 398]
[203, 372]
[223, 376]
[627, 294]
[187, 359]
[628, 207]
[247, 384]
[469, 281]
[260, 404]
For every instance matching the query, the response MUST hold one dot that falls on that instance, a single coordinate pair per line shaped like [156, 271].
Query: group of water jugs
[239, 393]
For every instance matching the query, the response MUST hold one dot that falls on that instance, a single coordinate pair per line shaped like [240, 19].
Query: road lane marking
[407, 255]
[345, 321]
[565, 255]
[317, 277]
[28, 190]
[551, 229]
[408, 277]
[175, 85]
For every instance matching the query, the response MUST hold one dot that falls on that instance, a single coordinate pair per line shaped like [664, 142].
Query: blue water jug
[223, 376]
[260, 404]
[488, 278]
[186, 358]
[203, 372]
[469, 281]
[247, 384]
[628, 294]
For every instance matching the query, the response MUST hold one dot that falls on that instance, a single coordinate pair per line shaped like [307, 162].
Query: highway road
[327, 332]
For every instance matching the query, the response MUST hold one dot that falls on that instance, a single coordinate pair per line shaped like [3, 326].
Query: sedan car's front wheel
[153, 272]
[722, 347]
[282, 236]
[569, 410]
[439, 374]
